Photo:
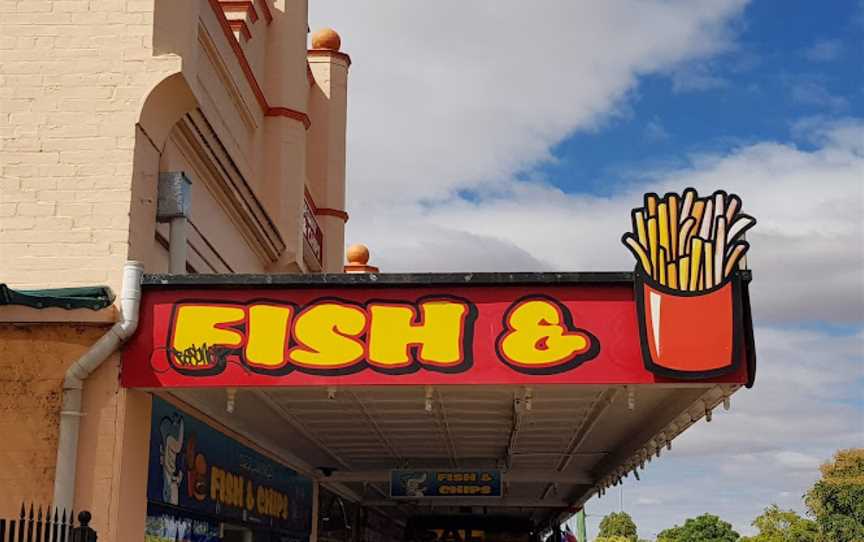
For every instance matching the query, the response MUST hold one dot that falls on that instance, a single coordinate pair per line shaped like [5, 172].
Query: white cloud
[824, 51]
[446, 94]
[424, 246]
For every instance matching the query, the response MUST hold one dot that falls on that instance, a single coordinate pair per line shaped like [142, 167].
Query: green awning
[90, 297]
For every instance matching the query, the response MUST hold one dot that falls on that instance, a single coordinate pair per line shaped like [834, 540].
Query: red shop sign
[478, 333]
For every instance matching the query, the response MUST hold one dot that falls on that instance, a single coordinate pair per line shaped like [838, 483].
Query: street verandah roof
[557, 443]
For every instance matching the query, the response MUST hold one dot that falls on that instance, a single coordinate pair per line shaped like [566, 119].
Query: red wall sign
[425, 334]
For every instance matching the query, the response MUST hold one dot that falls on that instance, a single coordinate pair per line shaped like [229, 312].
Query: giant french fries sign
[688, 294]
[682, 316]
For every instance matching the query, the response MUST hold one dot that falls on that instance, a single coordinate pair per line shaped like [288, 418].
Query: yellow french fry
[695, 262]
[651, 205]
[639, 251]
[734, 255]
[639, 226]
[672, 275]
[663, 224]
[661, 266]
[652, 245]
[709, 264]
[697, 212]
[673, 226]
[684, 237]
[684, 273]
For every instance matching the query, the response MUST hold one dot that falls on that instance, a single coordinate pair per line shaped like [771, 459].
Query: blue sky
[493, 135]
[790, 61]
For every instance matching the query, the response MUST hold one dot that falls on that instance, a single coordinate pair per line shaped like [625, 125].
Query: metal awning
[557, 442]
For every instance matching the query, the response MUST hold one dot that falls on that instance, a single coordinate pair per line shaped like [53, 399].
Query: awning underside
[557, 444]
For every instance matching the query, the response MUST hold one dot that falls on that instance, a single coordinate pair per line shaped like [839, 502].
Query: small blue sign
[197, 468]
[419, 484]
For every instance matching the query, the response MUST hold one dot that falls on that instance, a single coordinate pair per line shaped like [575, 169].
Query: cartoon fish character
[171, 430]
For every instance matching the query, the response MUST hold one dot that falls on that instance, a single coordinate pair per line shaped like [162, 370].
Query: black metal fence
[48, 526]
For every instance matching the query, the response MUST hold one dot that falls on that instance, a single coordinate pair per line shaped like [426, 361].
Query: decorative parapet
[234, 41]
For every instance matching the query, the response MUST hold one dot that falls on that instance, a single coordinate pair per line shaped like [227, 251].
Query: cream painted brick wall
[73, 76]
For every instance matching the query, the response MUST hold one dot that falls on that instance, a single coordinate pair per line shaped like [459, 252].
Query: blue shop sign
[197, 468]
[445, 483]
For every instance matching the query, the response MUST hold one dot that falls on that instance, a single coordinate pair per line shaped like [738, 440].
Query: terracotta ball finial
[358, 254]
[326, 38]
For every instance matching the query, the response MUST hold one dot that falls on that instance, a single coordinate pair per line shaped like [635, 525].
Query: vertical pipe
[77, 373]
[67, 445]
[177, 246]
[174, 206]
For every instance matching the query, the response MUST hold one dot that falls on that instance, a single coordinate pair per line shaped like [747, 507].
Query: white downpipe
[73, 384]
[177, 246]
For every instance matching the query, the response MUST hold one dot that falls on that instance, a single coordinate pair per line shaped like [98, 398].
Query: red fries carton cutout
[687, 289]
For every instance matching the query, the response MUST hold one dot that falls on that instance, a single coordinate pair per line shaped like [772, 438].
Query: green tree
[837, 499]
[617, 524]
[777, 525]
[705, 528]
[615, 538]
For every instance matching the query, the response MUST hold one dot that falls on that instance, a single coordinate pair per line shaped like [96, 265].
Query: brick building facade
[99, 100]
